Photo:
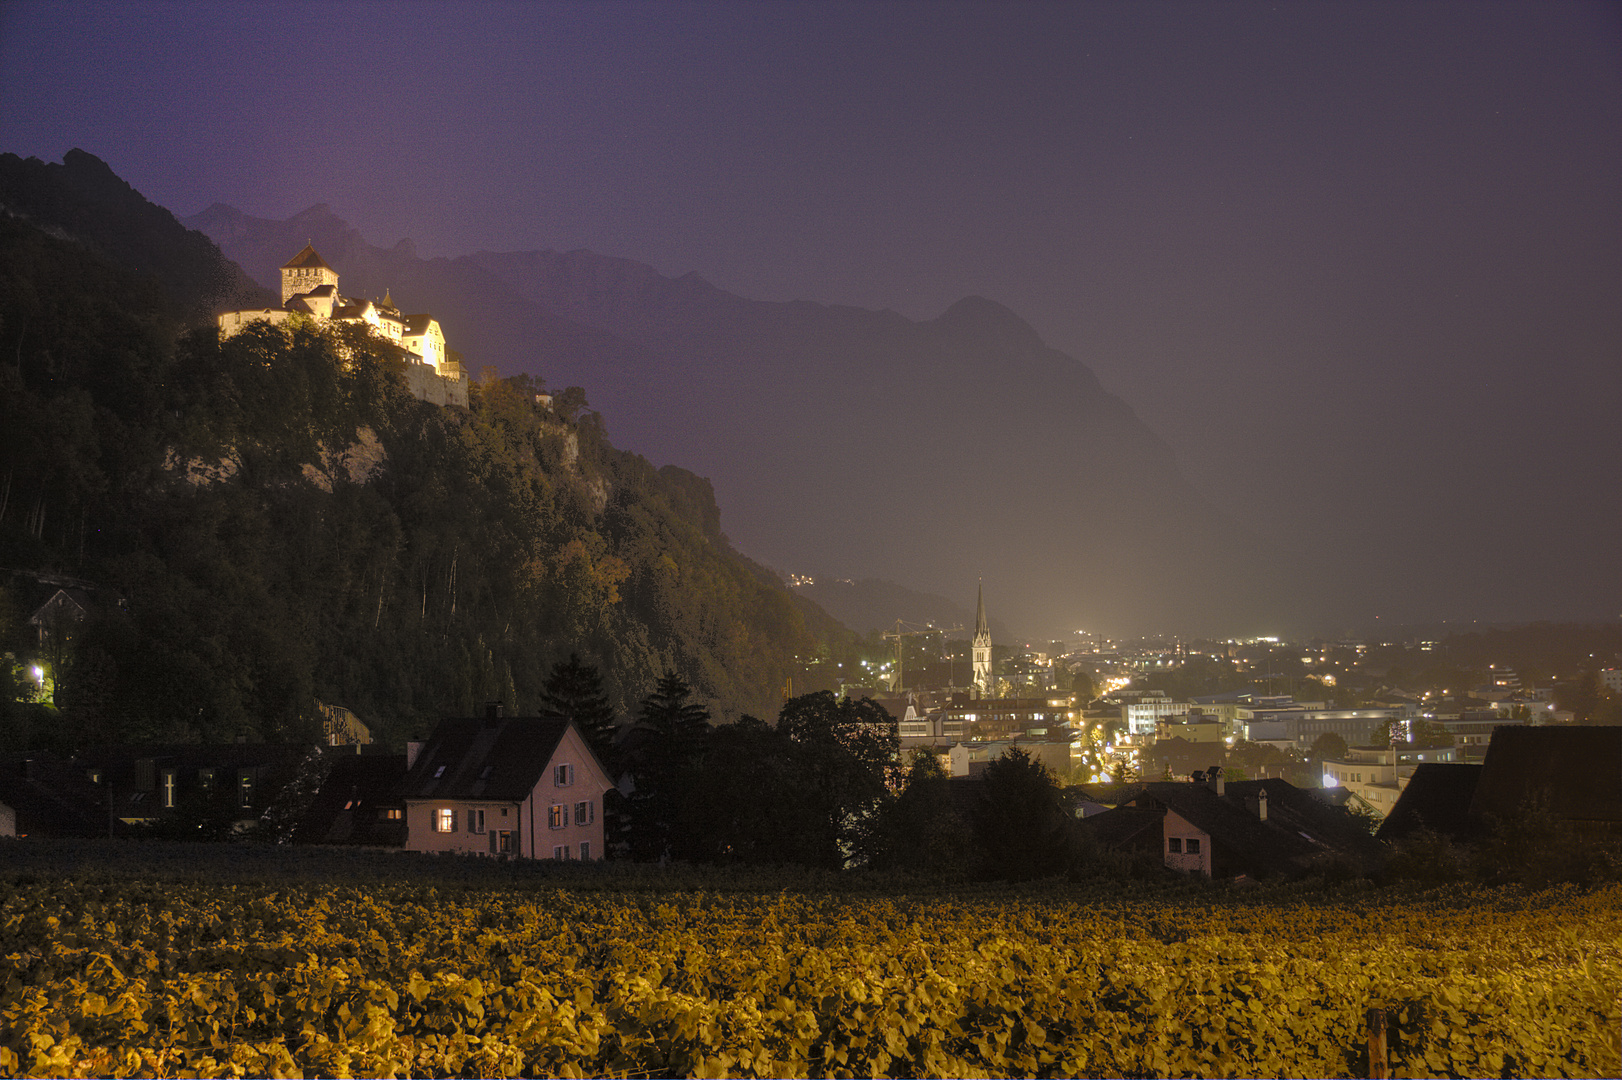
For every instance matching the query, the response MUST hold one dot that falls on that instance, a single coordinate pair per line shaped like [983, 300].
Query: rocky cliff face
[840, 440]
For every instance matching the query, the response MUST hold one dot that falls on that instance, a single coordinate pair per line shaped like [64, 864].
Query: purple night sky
[1360, 265]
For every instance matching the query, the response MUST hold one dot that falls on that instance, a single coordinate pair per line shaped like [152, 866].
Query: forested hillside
[272, 520]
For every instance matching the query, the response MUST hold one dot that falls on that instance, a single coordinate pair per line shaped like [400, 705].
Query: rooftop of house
[1297, 828]
[346, 810]
[1437, 797]
[1577, 769]
[500, 759]
[52, 797]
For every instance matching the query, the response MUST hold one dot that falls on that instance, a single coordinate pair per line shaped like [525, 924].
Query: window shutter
[492, 843]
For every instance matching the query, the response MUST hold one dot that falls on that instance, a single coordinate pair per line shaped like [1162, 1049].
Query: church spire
[981, 649]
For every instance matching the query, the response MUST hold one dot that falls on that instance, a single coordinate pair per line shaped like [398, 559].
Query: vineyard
[158, 963]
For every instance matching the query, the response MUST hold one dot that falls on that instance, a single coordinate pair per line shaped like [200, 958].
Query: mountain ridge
[844, 441]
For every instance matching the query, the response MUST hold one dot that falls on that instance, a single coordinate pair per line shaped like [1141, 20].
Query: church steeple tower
[982, 647]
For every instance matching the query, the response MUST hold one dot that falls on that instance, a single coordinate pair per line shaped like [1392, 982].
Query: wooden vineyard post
[1379, 1067]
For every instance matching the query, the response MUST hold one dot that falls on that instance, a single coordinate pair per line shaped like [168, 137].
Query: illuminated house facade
[310, 290]
[522, 787]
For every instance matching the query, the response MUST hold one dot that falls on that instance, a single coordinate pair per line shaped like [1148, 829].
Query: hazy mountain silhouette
[84, 201]
[841, 441]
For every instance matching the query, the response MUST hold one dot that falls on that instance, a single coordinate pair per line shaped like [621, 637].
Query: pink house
[520, 787]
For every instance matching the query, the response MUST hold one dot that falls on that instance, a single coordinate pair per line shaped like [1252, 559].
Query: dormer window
[439, 772]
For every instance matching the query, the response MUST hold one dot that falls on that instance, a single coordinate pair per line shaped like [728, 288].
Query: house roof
[1297, 828]
[67, 600]
[1437, 797]
[500, 760]
[52, 797]
[417, 324]
[1126, 827]
[306, 260]
[1578, 769]
[346, 809]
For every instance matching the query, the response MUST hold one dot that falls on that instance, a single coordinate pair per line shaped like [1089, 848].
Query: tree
[1254, 759]
[1082, 685]
[666, 764]
[1327, 747]
[1580, 697]
[920, 829]
[1020, 823]
[575, 690]
[749, 802]
[842, 748]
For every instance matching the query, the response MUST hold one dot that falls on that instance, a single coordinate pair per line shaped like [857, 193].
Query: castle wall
[232, 322]
[426, 384]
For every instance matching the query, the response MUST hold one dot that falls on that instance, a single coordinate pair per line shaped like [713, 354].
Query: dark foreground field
[151, 959]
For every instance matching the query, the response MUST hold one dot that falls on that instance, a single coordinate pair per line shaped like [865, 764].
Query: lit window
[558, 816]
[393, 815]
[169, 788]
[444, 819]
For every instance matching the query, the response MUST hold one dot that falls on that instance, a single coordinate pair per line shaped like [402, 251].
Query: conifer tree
[575, 690]
[665, 762]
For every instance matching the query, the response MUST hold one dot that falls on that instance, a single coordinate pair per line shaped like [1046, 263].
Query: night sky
[1360, 265]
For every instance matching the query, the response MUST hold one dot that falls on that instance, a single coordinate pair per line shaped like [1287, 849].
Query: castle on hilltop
[310, 289]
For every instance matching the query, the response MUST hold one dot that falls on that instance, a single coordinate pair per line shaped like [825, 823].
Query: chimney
[1261, 804]
[412, 750]
[1198, 777]
[1215, 773]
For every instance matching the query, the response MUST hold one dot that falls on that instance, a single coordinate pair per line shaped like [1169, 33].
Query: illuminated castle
[310, 289]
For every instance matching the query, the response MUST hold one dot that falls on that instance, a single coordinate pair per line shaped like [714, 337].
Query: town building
[310, 290]
[1377, 775]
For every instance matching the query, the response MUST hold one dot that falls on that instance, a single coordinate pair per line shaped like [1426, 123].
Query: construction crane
[897, 683]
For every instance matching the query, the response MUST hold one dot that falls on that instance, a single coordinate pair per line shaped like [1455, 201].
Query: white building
[310, 290]
[1377, 775]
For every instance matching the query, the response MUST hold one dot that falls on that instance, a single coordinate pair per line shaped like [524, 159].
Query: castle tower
[982, 648]
[306, 271]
